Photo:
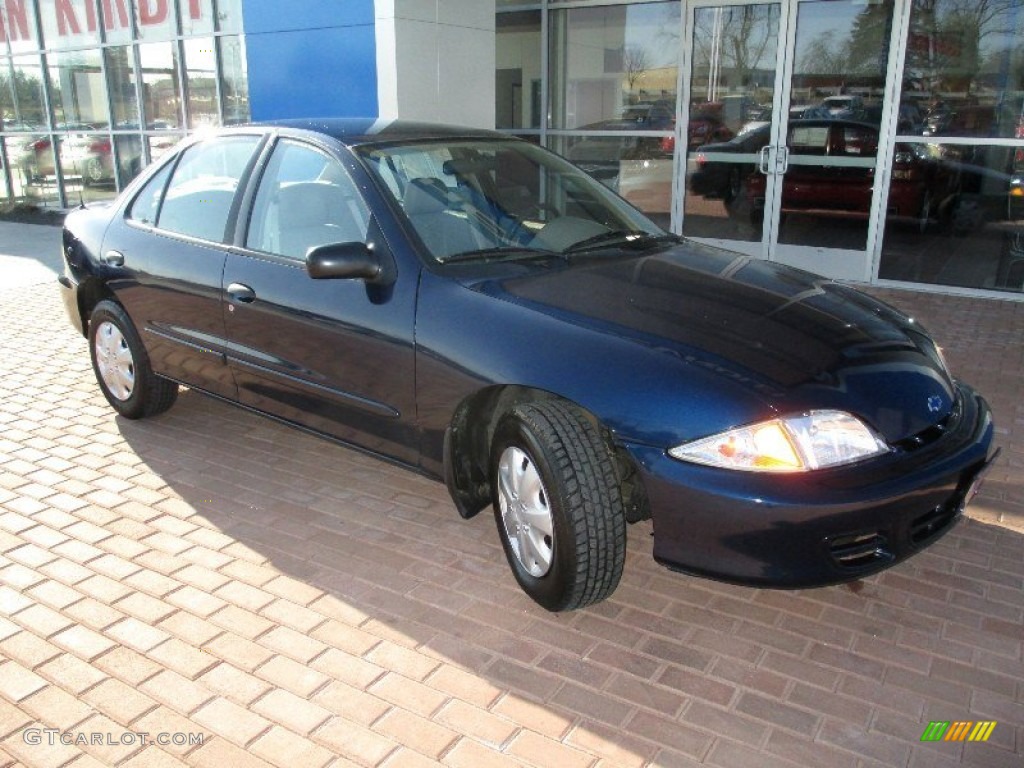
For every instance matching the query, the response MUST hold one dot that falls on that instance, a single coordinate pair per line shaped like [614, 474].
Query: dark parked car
[723, 178]
[476, 308]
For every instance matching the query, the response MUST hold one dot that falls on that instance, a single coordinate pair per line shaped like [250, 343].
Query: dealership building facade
[871, 140]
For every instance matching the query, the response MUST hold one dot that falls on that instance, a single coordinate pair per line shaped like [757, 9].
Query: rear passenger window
[808, 139]
[147, 204]
[858, 140]
[198, 199]
[305, 199]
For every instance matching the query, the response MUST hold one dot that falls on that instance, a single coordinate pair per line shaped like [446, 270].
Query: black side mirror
[352, 261]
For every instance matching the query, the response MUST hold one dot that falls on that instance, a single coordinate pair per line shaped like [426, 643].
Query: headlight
[792, 444]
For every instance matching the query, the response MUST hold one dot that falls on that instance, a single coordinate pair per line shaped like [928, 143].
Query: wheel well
[91, 293]
[468, 447]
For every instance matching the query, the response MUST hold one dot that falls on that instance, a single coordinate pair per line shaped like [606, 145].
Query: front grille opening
[931, 524]
[861, 550]
[929, 435]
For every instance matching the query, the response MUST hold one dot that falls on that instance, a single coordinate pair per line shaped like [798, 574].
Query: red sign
[72, 21]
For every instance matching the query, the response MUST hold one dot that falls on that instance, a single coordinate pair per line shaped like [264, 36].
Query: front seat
[443, 229]
[313, 213]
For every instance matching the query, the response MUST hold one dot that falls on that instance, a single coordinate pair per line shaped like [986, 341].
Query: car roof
[367, 130]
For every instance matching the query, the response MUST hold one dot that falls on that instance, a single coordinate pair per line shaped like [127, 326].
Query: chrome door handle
[762, 163]
[782, 160]
[113, 259]
[241, 293]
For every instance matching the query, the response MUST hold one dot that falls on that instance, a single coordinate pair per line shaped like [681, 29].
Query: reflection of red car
[919, 185]
[705, 127]
[89, 156]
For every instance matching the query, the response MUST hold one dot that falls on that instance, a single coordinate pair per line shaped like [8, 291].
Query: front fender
[643, 393]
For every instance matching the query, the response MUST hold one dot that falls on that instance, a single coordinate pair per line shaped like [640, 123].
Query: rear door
[171, 250]
[335, 355]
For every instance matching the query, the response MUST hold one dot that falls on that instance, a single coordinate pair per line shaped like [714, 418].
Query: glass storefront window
[732, 88]
[956, 216]
[69, 24]
[234, 86]
[155, 19]
[161, 97]
[518, 77]
[196, 16]
[160, 144]
[128, 154]
[962, 81]
[615, 67]
[108, 87]
[229, 15]
[201, 82]
[18, 21]
[33, 168]
[5, 187]
[639, 168]
[962, 73]
[121, 80]
[78, 90]
[26, 109]
[117, 20]
[87, 164]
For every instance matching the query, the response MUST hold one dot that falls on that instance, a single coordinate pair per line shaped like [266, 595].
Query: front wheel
[122, 366]
[558, 505]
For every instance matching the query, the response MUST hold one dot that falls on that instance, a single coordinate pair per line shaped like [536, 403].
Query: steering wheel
[519, 234]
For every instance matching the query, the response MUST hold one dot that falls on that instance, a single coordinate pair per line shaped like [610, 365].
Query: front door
[334, 355]
[782, 119]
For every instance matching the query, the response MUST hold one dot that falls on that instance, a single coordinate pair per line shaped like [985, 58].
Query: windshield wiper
[504, 252]
[625, 237]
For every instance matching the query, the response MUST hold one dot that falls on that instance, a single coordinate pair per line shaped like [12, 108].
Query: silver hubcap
[525, 511]
[114, 361]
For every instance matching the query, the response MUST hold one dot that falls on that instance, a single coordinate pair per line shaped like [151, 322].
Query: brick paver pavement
[299, 604]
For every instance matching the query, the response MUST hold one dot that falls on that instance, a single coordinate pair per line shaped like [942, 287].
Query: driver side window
[305, 199]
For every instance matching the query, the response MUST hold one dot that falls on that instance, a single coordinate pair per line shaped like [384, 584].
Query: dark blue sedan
[478, 309]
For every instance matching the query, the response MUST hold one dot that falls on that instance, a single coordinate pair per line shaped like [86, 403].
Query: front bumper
[816, 528]
[69, 295]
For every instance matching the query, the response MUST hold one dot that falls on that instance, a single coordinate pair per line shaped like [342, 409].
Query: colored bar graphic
[982, 731]
[959, 730]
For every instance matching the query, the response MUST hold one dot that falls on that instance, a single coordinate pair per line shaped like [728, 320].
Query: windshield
[488, 199]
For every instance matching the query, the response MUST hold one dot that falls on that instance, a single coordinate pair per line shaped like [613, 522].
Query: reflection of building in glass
[122, 81]
[699, 113]
[939, 120]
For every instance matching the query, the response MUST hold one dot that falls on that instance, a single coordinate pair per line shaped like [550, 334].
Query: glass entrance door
[735, 64]
[794, 179]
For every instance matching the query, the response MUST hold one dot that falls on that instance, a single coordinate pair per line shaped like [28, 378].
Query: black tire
[122, 366]
[924, 215]
[581, 492]
[733, 186]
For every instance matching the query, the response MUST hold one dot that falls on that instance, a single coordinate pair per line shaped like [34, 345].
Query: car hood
[796, 340]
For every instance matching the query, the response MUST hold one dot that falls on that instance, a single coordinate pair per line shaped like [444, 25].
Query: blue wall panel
[310, 58]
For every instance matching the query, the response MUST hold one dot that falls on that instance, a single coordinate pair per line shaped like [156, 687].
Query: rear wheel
[93, 173]
[122, 366]
[558, 505]
[733, 187]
